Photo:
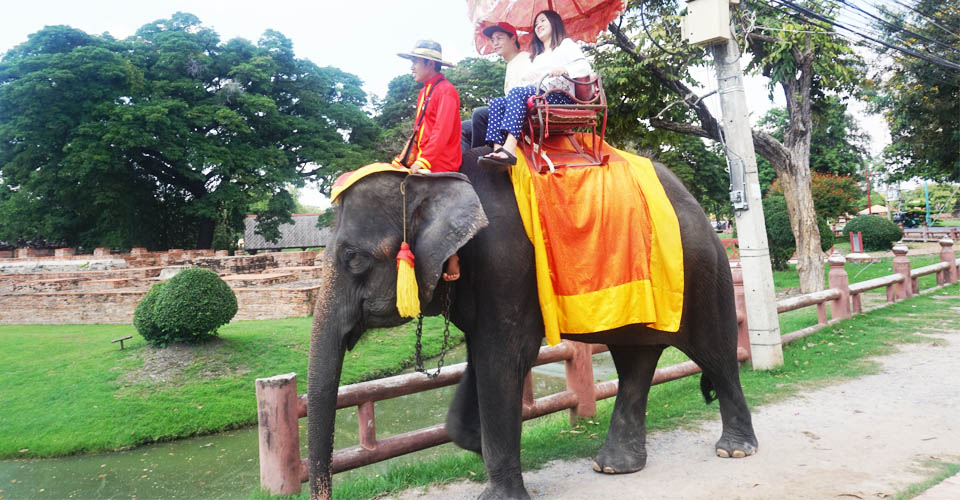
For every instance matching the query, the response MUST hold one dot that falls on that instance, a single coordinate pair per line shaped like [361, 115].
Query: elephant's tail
[706, 387]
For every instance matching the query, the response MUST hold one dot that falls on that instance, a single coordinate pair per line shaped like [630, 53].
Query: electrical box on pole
[701, 26]
[707, 21]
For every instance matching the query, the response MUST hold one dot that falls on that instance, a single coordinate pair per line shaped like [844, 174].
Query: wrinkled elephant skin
[495, 303]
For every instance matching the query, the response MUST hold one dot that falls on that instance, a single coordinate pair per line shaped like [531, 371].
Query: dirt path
[865, 438]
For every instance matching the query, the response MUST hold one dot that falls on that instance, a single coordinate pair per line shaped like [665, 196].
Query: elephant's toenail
[608, 470]
[722, 453]
[596, 467]
[738, 454]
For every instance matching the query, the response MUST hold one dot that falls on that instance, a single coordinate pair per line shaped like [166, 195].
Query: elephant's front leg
[463, 418]
[500, 367]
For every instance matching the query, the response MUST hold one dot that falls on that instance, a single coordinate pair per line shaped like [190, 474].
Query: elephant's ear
[443, 213]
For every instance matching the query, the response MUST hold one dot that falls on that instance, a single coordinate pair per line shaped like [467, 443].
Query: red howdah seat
[588, 112]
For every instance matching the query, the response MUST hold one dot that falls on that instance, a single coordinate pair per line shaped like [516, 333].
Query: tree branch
[683, 128]
[708, 122]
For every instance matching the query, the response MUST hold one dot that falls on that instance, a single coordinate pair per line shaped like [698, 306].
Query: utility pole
[708, 22]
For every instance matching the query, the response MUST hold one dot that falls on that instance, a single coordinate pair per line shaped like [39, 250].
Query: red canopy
[583, 19]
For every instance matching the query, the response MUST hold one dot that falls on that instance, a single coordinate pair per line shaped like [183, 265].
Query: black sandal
[498, 163]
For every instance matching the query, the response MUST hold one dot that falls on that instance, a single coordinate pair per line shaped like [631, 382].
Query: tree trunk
[205, 233]
[803, 221]
[803, 215]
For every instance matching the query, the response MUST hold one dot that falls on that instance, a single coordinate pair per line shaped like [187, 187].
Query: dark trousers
[473, 131]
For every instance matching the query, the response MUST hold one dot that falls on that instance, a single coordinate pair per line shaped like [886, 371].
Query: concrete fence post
[579, 372]
[949, 275]
[901, 265]
[740, 300]
[838, 279]
[279, 434]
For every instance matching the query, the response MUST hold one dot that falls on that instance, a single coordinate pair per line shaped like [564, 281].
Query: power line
[900, 29]
[933, 59]
[925, 17]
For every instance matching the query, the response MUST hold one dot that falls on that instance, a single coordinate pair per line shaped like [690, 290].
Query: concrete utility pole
[709, 23]
[762, 320]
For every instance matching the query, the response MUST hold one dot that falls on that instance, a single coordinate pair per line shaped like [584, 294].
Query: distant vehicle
[909, 219]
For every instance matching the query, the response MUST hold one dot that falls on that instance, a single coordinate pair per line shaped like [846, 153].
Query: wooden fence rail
[282, 471]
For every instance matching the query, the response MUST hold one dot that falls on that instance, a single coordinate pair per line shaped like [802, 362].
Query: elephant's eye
[356, 262]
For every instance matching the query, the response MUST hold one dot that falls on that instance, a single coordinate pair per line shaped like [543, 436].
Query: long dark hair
[558, 32]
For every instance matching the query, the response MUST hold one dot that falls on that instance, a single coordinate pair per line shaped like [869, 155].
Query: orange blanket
[607, 244]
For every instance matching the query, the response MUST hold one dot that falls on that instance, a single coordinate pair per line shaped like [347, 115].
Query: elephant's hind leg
[723, 376]
[625, 448]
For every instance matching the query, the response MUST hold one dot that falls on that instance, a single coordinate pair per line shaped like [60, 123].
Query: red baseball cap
[501, 26]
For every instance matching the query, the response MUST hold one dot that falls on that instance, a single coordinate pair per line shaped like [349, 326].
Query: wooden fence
[282, 471]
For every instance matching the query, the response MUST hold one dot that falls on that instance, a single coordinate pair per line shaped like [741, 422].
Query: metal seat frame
[545, 119]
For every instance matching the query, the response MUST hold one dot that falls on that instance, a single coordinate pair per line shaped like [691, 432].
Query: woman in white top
[554, 55]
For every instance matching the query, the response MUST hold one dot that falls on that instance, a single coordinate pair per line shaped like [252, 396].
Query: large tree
[154, 140]
[805, 61]
[921, 100]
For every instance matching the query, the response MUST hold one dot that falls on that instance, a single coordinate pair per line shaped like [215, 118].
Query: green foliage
[879, 233]
[702, 171]
[145, 317]
[189, 307]
[780, 235]
[920, 100]
[837, 144]
[833, 195]
[477, 81]
[152, 140]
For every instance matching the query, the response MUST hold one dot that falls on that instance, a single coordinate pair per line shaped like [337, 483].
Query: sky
[359, 37]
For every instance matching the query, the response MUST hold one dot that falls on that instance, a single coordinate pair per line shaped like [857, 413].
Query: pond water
[225, 465]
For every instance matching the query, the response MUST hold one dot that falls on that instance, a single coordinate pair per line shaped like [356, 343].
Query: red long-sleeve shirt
[438, 141]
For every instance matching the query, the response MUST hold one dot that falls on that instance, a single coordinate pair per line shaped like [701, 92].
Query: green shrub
[144, 319]
[190, 307]
[780, 234]
[878, 232]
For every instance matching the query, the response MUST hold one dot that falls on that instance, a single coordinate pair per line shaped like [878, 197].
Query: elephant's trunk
[326, 361]
[327, 347]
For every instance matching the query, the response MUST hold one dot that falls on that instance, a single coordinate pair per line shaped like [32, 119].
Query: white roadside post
[708, 23]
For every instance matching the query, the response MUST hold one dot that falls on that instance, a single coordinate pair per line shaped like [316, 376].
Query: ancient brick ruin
[59, 287]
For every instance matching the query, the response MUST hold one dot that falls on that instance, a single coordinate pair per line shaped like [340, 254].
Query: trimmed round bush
[189, 307]
[144, 319]
[879, 233]
[780, 234]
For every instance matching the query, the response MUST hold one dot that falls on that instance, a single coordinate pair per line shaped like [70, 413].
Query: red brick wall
[116, 307]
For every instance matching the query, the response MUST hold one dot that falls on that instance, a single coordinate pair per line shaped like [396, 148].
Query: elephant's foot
[463, 435]
[620, 458]
[501, 493]
[736, 447]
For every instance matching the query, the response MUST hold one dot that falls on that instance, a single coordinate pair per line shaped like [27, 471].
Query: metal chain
[445, 302]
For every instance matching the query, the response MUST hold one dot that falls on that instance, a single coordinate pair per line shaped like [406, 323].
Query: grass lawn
[832, 354]
[66, 389]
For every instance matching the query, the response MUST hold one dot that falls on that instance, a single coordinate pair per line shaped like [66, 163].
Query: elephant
[495, 303]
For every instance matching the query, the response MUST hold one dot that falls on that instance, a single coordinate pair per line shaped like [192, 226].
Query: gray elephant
[496, 305]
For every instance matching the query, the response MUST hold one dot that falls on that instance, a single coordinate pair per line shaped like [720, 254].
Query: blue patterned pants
[507, 113]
